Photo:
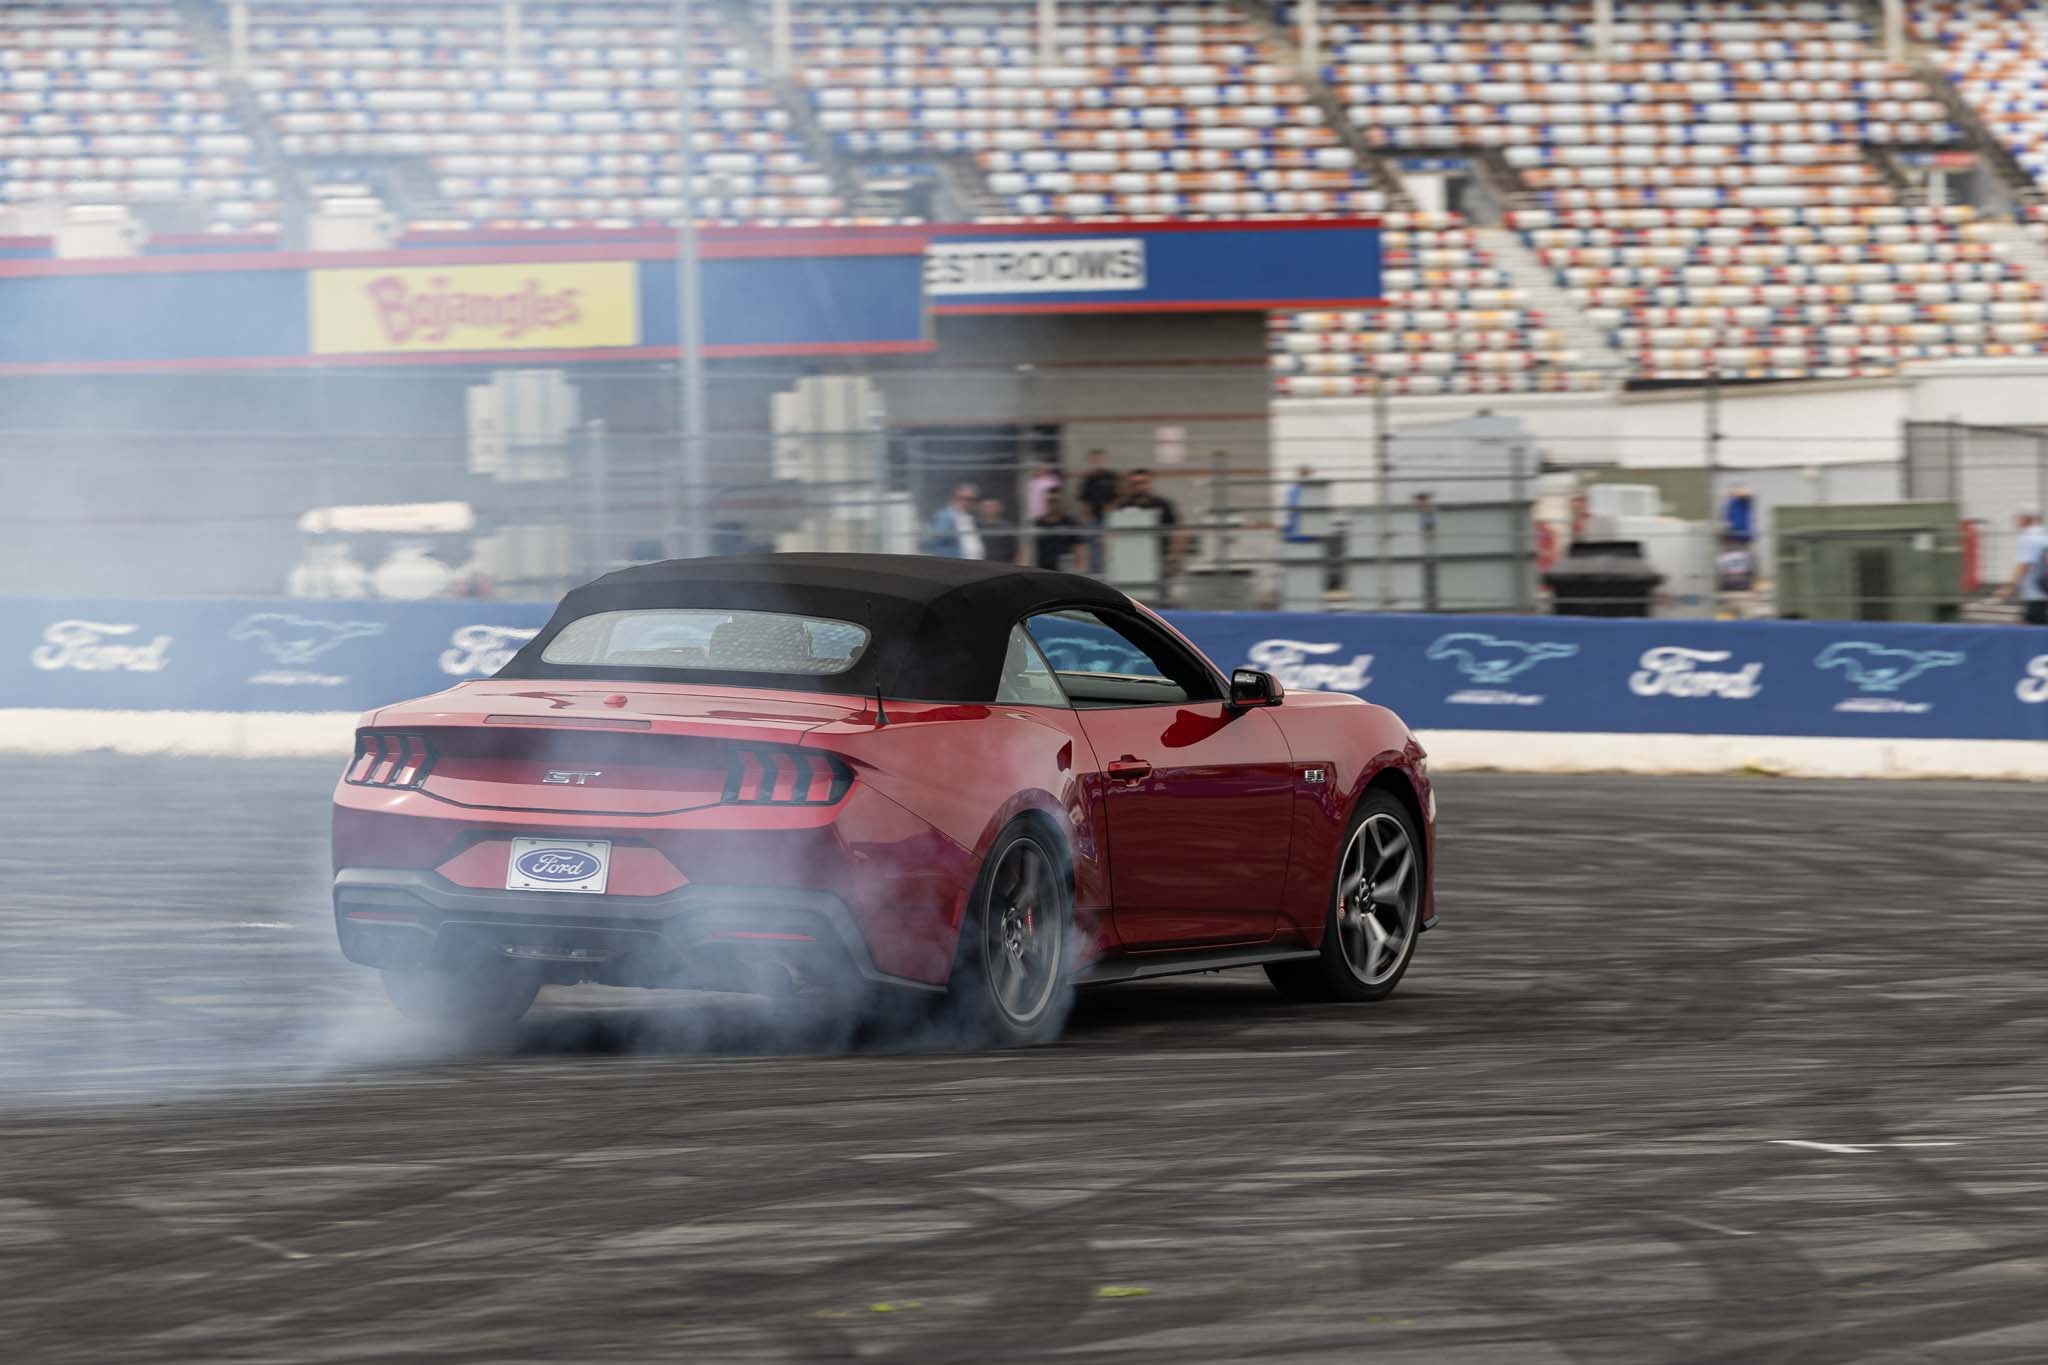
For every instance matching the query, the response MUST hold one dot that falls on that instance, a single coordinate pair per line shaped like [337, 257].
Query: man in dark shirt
[1056, 535]
[1098, 486]
[1172, 541]
[997, 537]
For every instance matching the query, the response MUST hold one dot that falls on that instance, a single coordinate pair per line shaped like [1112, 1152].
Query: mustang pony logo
[1872, 667]
[296, 640]
[1489, 659]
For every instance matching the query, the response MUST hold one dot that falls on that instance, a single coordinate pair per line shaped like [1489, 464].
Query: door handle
[1128, 769]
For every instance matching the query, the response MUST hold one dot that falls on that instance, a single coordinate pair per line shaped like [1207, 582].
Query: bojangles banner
[384, 309]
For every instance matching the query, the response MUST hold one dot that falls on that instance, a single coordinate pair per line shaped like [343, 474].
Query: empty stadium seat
[1453, 323]
[114, 103]
[1790, 293]
[580, 124]
[1996, 54]
[1148, 106]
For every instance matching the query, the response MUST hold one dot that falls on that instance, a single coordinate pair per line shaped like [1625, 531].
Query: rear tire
[478, 1003]
[1012, 980]
[1375, 912]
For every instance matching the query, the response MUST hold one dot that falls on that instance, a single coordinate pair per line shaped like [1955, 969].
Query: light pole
[691, 485]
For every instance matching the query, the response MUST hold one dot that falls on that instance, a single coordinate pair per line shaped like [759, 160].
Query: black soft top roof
[940, 625]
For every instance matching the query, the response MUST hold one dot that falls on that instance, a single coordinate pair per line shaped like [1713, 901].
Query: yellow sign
[420, 308]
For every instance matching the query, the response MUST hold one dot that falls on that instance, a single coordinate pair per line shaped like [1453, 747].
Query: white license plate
[559, 865]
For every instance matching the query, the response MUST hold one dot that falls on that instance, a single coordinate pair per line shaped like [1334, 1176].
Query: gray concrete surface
[1736, 1071]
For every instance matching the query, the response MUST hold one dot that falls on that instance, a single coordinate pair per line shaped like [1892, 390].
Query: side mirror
[1249, 687]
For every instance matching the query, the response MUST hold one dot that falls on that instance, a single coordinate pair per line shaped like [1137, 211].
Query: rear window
[709, 640]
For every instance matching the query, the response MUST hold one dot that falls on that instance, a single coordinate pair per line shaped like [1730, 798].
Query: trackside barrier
[263, 676]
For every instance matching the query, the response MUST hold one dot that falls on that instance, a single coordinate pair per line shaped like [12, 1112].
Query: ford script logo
[556, 865]
[99, 647]
[1675, 671]
[1290, 662]
[2033, 685]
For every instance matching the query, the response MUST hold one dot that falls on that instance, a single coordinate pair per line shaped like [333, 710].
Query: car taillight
[388, 759]
[785, 777]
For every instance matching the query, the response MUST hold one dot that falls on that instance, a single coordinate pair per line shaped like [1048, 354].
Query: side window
[1027, 680]
[1103, 660]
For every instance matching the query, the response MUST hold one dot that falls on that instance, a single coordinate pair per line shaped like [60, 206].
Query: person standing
[1172, 543]
[952, 532]
[1056, 536]
[1098, 486]
[1046, 481]
[1738, 516]
[1290, 529]
[998, 540]
[1735, 566]
[2029, 581]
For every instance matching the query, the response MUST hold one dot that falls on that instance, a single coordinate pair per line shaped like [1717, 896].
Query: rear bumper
[399, 918]
[902, 881]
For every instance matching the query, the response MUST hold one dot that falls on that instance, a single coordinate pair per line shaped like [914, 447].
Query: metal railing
[1422, 520]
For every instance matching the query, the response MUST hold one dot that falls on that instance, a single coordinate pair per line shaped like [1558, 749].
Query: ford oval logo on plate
[558, 865]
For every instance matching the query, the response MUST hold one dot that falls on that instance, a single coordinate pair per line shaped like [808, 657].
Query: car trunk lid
[594, 748]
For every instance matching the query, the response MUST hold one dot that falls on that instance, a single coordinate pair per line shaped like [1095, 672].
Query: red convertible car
[985, 783]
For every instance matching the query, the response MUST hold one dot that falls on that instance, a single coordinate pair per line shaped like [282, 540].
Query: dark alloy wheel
[1375, 910]
[1011, 983]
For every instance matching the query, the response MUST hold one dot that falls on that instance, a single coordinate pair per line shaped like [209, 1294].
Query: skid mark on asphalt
[1554, 1144]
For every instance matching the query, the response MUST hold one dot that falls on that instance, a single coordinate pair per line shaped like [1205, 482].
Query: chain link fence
[567, 477]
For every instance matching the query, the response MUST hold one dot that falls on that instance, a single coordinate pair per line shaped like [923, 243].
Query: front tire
[1011, 983]
[1375, 912]
[478, 1003]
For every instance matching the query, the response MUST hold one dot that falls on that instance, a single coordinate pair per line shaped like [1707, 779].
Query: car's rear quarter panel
[970, 770]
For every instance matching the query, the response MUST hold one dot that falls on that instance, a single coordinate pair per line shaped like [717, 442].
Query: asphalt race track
[1743, 1071]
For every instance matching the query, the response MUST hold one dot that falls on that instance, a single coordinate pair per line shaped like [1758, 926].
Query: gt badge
[568, 777]
[1315, 774]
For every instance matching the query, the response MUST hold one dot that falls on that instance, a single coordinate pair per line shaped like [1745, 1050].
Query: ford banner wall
[1574, 675]
[257, 655]
[1526, 673]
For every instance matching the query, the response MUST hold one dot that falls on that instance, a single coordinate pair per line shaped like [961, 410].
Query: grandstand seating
[1153, 107]
[1705, 102]
[113, 104]
[1708, 196]
[581, 128]
[1996, 53]
[1453, 323]
[1792, 292]
[1706, 193]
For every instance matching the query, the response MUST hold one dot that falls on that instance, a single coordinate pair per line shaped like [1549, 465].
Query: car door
[1198, 798]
